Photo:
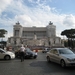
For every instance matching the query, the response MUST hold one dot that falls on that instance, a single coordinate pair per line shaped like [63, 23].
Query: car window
[28, 50]
[51, 51]
[2, 51]
[55, 51]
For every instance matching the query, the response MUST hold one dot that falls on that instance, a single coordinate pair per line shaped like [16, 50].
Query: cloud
[4, 4]
[26, 14]
[39, 15]
[25, 20]
[69, 20]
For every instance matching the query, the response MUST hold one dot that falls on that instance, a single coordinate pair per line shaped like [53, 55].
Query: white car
[63, 56]
[45, 50]
[7, 55]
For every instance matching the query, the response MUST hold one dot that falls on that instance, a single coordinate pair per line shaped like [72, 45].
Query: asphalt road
[37, 66]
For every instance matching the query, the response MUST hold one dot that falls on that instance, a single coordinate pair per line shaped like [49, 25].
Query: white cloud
[24, 19]
[4, 4]
[36, 16]
[69, 20]
[42, 2]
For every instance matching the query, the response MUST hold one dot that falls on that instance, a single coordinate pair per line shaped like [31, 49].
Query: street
[37, 66]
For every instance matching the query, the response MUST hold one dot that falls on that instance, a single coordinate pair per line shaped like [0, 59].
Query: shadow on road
[51, 67]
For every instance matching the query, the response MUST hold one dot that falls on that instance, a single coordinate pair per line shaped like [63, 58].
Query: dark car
[28, 54]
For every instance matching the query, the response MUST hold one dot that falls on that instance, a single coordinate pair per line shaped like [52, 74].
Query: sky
[37, 13]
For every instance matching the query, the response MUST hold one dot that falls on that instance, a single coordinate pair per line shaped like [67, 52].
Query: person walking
[22, 53]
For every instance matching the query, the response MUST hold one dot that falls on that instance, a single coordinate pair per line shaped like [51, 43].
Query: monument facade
[34, 36]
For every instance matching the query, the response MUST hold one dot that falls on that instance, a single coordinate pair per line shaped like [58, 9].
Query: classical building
[34, 36]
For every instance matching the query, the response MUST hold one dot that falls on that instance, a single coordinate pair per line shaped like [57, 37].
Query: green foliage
[66, 43]
[2, 33]
[70, 34]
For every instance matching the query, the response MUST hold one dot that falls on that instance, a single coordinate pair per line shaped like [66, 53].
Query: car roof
[59, 48]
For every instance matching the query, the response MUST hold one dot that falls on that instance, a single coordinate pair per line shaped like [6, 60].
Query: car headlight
[69, 59]
[12, 54]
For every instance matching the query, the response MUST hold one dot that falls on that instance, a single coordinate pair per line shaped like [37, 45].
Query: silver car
[63, 56]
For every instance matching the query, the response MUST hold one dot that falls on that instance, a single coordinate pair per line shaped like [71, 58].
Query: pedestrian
[22, 53]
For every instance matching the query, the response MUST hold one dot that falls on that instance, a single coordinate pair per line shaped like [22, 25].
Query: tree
[2, 33]
[3, 44]
[70, 34]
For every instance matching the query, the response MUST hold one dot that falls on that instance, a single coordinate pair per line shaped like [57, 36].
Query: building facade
[34, 36]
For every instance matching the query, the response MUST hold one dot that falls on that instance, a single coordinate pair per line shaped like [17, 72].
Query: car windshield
[65, 51]
[2, 50]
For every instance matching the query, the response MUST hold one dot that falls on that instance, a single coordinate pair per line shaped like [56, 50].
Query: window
[51, 51]
[54, 51]
[16, 33]
[1, 51]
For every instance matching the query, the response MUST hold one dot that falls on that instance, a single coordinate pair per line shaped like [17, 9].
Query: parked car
[28, 54]
[45, 50]
[63, 56]
[7, 55]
